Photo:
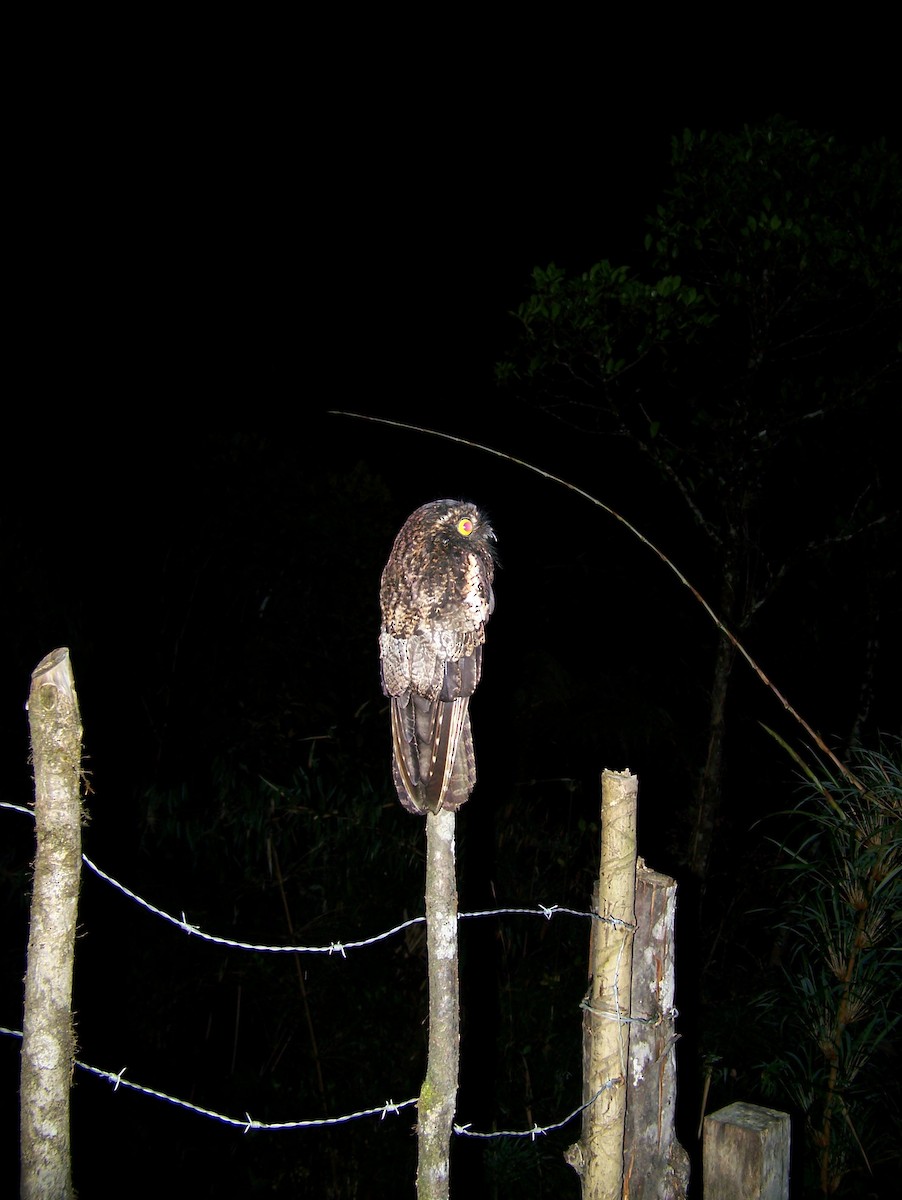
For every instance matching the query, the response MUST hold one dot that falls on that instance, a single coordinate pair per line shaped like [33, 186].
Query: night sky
[192, 264]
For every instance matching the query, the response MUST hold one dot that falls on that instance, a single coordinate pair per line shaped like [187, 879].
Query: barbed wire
[194, 930]
[390, 1107]
[532, 1134]
[247, 1122]
[182, 922]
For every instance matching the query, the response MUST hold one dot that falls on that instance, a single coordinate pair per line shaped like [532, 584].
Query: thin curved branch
[731, 637]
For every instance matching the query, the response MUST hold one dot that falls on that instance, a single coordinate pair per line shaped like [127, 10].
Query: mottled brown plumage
[436, 597]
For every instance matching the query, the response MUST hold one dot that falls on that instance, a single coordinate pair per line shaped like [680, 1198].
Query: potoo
[436, 597]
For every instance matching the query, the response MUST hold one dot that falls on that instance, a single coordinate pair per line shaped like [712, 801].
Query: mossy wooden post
[438, 1097]
[48, 1042]
[746, 1153]
[598, 1155]
[656, 1167]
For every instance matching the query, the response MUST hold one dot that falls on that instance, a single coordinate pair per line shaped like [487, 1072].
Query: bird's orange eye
[465, 526]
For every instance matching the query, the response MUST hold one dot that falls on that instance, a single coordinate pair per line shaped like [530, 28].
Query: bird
[436, 597]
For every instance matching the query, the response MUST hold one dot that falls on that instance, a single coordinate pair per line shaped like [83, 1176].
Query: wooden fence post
[48, 1041]
[438, 1096]
[655, 1164]
[598, 1155]
[746, 1153]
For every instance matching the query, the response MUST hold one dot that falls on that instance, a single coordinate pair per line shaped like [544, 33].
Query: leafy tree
[742, 360]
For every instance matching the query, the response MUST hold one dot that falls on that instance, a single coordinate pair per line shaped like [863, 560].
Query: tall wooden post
[48, 1042]
[438, 1097]
[598, 1156]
